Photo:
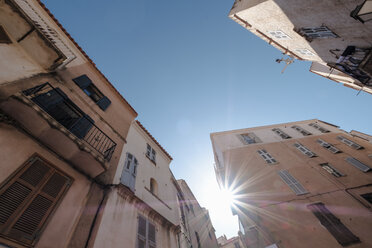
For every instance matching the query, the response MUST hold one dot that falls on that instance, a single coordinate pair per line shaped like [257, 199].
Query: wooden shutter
[83, 81]
[28, 198]
[340, 232]
[103, 103]
[82, 126]
[151, 235]
[292, 182]
[141, 233]
[356, 163]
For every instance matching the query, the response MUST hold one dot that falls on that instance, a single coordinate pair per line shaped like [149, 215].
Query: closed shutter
[83, 81]
[28, 198]
[151, 236]
[141, 233]
[292, 182]
[338, 230]
[82, 126]
[356, 163]
[349, 143]
[103, 103]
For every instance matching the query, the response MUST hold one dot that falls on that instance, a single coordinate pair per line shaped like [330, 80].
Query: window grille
[281, 133]
[266, 156]
[328, 146]
[278, 34]
[301, 130]
[304, 150]
[331, 170]
[304, 51]
[349, 142]
[249, 138]
[320, 128]
[292, 182]
[317, 32]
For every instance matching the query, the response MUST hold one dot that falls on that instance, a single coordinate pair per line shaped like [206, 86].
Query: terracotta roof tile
[156, 142]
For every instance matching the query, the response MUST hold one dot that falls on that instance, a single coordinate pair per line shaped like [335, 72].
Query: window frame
[334, 225]
[150, 153]
[331, 170]
[319, 127]
[43, 188]
[249, 138]
[301, 130]
[349, 142]
[281, 133]
[292, 183]
[269, 159]
[146, 239]
[304, 150]
[91, 90]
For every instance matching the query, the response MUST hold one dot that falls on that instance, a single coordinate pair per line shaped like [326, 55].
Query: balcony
[49, 115]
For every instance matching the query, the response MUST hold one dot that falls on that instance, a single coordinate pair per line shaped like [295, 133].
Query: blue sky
[189, 70]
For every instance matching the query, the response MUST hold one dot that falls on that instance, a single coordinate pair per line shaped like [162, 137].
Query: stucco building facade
[334, 35]
[299, 184]
[196, 226]
[234, 242]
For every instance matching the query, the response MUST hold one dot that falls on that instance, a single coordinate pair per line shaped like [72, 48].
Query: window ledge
[147, 156]
[157, 197]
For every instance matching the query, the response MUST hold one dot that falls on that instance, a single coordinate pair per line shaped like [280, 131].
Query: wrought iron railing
[56, 103]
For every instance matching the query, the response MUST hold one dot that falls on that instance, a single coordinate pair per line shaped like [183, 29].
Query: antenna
[287, 61]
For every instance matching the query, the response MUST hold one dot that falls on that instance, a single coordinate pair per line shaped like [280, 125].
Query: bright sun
[227, 196]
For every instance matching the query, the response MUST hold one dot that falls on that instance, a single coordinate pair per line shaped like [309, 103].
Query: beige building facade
[234, 242]
[298, 184]
[142, 209]
[197, 230]
[335, 35]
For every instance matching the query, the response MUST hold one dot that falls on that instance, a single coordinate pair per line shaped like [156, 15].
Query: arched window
[153, 186]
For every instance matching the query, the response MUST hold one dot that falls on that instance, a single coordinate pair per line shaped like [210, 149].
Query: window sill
[152, 161]
[158, 198]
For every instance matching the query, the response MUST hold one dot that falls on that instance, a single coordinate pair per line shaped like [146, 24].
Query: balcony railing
[56, 103]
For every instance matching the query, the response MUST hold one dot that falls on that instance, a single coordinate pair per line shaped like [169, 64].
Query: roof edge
[85, 55]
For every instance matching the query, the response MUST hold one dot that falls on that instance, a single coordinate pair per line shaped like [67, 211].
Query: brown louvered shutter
[28, 198]
[338, 230]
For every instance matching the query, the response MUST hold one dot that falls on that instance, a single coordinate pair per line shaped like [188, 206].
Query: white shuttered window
[266, 156]
[304, 150]
[292, 182]
[146, 234]
[349, 142]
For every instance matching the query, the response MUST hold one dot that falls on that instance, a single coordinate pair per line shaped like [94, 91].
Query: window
[237, 245]
[249, 138]
[210, 235]
[363, 12]
[282, 134]
[331, 170]
[301, 130]
[338, 230]
[151, 153]
[153, 186]
[92, 91]
[320, 128]
[304, 51]
[266, 156]
[28, 198]
[4, 38]
[356, 163]
[328, 146]
[280, 35]
[292, 182]
[304, 150]
[198, 239]
[349, 142]
[146, 234]
[316, 32]
[367, 197]
[128, 176]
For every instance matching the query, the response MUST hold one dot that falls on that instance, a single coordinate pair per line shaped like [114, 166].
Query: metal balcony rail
[56, 103]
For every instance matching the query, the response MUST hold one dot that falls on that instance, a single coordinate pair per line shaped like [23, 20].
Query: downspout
[105, 192]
